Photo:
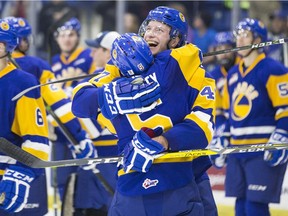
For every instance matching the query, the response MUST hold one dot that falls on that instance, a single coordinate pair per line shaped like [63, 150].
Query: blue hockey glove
[15, 187]
[219, 161]
[128, 95]
[277, 157]
[138, 154]
[85, 149]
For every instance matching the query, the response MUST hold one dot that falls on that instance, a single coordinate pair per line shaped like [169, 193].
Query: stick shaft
[28, 159]
[252, 46]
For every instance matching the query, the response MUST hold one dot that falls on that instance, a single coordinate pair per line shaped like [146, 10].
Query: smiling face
[157, 35]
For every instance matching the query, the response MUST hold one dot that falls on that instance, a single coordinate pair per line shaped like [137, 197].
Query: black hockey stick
[30, 160]
[253, 46]
[50, 83]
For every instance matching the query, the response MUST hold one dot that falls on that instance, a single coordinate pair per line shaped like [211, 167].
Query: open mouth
[152, 43]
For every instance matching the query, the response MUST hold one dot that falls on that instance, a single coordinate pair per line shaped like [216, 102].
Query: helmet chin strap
[4, 56]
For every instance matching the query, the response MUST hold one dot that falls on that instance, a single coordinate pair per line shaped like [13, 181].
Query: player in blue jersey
[93, 199]
[72, 61]
[223, 41]
[54, 97]
[144, 188]
[23, 123]
[155, 30]
[256, 97]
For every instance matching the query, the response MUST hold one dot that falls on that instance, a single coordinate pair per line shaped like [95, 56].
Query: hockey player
[72, 61]
[160, 29]
[54, 97]
[142, 185]
[256, 92]
[23, 122]
[223, 41]
[93, 199]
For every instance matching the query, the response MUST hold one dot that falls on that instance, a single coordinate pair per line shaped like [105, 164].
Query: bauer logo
[149, 183]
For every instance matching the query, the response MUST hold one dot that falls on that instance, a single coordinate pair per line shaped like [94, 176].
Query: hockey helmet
[8, 35]
[131, 54]
[257, 28]
[21, 25]
[224, 38]
[72, 24]
[171, 17]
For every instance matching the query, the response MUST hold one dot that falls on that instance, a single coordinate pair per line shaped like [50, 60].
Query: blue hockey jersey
[185, 112]
[54, 96]
[22, 122]
[256, 100]
[78, 63]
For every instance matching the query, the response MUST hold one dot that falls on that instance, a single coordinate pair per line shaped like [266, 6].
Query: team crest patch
[149, 183]
[5, 26]
[21, 22]
[182, 17]
[114, 54]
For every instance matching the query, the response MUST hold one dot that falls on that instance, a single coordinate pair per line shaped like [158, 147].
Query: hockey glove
[138, 154]
[85, 149]
[277, 157]
[219, 161]
[14, 188]
[128, 95]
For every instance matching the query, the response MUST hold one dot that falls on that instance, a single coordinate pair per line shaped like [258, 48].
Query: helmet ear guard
[171, 17]
[131, 54]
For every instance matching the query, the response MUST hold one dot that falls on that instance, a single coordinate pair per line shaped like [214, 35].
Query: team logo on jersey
[242, 98]
[149, 183]
[5, 26]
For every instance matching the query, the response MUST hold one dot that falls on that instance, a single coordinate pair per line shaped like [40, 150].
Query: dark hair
[206, 17]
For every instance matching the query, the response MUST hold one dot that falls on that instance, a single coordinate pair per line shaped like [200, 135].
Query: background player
[94, 199]
[54, 97]
[256, 95]
[23, 122]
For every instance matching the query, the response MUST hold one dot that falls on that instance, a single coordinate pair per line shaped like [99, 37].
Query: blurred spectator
[259, 10]
[203, 34]
[131, 22]
[14, 8]
[203, 37]
[50, 13]
[277, 30]
[180, 7]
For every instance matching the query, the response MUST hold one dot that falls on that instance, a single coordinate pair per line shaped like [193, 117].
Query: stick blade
[18, 154]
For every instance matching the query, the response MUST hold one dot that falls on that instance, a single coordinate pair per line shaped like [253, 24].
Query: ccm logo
[19, 175]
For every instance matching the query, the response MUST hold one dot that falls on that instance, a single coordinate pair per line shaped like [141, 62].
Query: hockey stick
[30, 160]
[253, 46]
[50, 83]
